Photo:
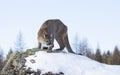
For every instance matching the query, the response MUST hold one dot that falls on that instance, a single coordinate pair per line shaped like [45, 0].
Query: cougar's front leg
[52, 43]
[50, 48]
[39, 45]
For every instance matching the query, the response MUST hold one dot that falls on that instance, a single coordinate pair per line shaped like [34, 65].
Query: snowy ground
[69, 64]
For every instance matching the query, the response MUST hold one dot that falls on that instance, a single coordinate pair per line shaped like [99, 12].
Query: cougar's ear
[45, 29]
[44, 25]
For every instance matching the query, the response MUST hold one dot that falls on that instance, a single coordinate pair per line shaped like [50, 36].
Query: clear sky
[96, 20]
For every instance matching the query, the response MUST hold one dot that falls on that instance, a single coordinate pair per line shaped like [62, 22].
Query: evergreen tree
[20, 44]
[83, 46]
[116, 56]
[98, 56]
[106, 57]
[1, 59]
[90, 54]
[1, 62]
[9, 53]
[76, 43]
[109, 57]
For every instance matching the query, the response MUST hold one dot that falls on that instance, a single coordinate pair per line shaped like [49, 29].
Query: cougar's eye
[45, 36]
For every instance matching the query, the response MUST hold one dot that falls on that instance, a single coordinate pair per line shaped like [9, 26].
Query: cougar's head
[45, 38]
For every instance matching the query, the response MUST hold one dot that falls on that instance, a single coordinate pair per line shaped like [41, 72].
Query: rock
[50, 73]
[15, 65]
[32, 61]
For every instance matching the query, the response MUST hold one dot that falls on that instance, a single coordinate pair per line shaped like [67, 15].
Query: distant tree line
[112, 58]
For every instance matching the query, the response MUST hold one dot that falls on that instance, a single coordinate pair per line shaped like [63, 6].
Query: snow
[69, 64]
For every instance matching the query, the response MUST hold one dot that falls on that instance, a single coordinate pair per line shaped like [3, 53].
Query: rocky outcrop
[15, 65]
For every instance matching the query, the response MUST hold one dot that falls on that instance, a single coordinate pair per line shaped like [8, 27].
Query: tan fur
[51, 29]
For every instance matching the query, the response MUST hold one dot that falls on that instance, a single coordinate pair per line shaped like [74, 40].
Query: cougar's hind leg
[60, 42]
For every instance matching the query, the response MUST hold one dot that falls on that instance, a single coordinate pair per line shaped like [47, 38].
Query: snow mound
[69, 64]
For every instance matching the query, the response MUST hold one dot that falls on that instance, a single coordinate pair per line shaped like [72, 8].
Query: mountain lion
[54, 28]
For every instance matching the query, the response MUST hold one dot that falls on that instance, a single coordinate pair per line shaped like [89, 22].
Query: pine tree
[109, 57]
[76, 43]
[106, 57]
[19, 44]
[9, 53]
[1, 59]
[90, 54]
[83, 46]
[116, 56]
[98, 56]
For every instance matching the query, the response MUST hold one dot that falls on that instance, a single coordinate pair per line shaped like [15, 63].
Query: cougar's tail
[67, 44]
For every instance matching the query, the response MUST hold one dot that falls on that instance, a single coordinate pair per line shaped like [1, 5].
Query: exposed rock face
[15, 65]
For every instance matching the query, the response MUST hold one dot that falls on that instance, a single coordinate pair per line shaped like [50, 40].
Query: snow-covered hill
[69, 64]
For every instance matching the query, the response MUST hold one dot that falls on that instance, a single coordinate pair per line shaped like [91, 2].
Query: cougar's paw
[49, 51]
[45, 48]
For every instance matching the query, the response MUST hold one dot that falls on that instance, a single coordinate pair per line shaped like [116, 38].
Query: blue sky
[96, 20]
